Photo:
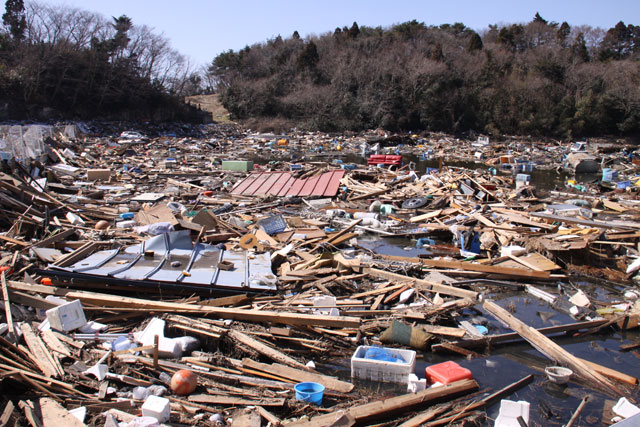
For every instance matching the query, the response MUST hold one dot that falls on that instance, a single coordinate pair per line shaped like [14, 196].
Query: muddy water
[495, 368]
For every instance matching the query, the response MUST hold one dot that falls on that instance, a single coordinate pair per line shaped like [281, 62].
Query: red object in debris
[46, 281]
[447, 372]
[184, 382]
[208, 193]
[383, 159]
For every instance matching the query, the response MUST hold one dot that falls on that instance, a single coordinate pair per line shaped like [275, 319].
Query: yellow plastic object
[283, 142]
[339, 148]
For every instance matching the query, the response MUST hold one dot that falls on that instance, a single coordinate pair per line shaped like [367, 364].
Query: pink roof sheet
[284, 184]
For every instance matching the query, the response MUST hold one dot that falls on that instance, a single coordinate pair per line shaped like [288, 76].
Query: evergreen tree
[475, 43]
[539, 19]
[14, 18]
[354, 30]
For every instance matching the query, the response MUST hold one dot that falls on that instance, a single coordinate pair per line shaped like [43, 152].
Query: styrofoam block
[157, 407]
[416, 384]
[510, 411]
[625, 409]
[67, 317]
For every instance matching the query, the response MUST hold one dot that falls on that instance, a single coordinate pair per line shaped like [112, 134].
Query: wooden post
[7, 307]
[553, 351]
[156, 341]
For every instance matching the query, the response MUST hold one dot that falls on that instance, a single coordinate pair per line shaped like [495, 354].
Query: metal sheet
[283, 184]
[172, 257]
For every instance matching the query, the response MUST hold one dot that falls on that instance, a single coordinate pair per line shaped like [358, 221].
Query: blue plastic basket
[273, 224]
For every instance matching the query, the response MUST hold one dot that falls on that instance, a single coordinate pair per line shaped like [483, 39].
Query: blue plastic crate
[273, 224]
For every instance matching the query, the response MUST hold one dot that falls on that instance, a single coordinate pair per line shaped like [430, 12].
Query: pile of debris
[175, 280]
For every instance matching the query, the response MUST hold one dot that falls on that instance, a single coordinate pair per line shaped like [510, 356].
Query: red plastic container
[447, 372]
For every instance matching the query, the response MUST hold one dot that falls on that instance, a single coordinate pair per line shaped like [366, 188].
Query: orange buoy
[208, 193]
[46, 281]
[183, 382]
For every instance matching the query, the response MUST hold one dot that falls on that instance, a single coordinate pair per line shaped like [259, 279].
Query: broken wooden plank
[42, 357]
[423, 284]
[231, 401]
[264, 349]
[113, 301]
[393, 405]
[330, 383]
[502, 271]
[7, 307]
[552, 350]
[54, 415]
[494, 339]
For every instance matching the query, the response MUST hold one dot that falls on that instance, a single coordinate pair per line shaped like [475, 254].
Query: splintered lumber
[611, 373]
[75, 256]
[232, 401]
[7, 414]
[54, 415]
[596, 224]
[330, 383]
[552, 350]
[7, 306]
[425, 416]
[424, 284]
[494, 339]
[468, 266]
[486, 401]
[113, 301]
[392, 406]
[264, 349]
[41, 356]
[45, 243]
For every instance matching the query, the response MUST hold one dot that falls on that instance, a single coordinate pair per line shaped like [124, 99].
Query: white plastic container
[157, 407]
[67, 317]
[380, 370]
[510, 411]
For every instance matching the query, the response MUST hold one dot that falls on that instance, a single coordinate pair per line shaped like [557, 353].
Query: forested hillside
[539, 78]
[70, 63]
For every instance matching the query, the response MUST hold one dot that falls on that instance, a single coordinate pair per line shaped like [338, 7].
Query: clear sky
[201, 29]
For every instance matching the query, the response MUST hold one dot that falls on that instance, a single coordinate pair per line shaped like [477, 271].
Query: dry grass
[212, 104]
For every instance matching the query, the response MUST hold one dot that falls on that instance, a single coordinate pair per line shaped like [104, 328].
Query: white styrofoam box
[157, 407]
[67, 317]
[380, 370]
[510, 411]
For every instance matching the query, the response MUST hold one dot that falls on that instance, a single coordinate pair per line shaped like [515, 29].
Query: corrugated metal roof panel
[172, 257]
[284, 184]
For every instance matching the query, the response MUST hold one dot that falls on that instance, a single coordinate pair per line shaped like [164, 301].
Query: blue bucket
[309, 392]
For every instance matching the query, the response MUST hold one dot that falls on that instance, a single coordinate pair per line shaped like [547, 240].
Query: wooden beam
[423, 285]
[330, 383]
[553, 351]
[54, 415]
[393, 405]
[233, 401]
[7, 307]
[468, 266]
[42, 358]
[494, 339]
[106, 300]
[264, 349]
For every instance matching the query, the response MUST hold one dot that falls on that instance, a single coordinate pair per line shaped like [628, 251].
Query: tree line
[536, 78]
[62, 62]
